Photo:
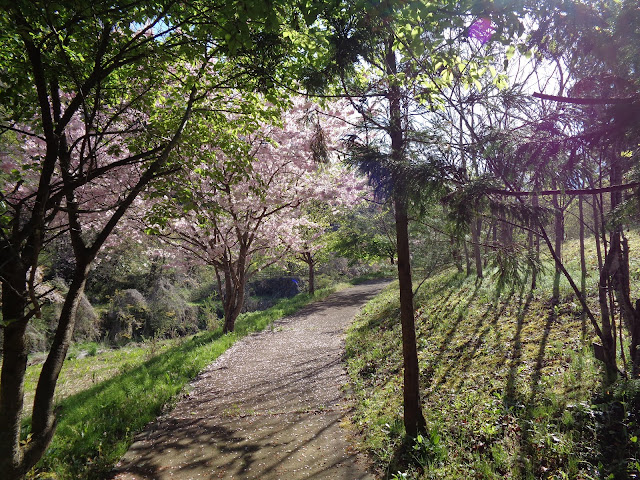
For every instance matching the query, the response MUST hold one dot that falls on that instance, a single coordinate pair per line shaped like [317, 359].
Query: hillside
[509, 383]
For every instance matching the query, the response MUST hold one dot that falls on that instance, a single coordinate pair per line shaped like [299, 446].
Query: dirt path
[269, 408]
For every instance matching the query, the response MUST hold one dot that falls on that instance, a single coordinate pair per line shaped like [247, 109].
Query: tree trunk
[596, 229]
[559, 237]
[621, 284]
[620, 278]
[414, 421]
[457, 257]
[476, 225]
[607, 338]
[583, 262]
[14, 364]
[16, 459]
[232, 303]
[312, 274]
[467, 258]
[307, 257]
[235, 279]
[535, 242]
[43, 423]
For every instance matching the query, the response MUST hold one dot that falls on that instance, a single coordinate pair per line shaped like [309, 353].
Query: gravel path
[268, 408]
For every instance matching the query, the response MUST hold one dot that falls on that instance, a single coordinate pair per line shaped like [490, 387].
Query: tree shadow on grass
[94, 423]
[464, 353]
[533, 459]
[598, 430]
[446, 308]
[515, 356]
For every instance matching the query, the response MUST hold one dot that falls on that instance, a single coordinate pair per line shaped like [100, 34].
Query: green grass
[509, 385]
[106, 397]
[82, 370]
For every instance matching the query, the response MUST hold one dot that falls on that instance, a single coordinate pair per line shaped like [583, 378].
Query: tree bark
[43, 423]
[235, 280]
[620, 278]
[231, 302]
[608, 341]
[414, 421]
[559, 238]
[535, 242]
[311, 263]
[583, 262]
[14, 364]
[467, 258]
[457, 257]
[476, 225]
[596, 229]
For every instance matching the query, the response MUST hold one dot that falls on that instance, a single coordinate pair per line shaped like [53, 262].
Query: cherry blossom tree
[243, 207]
[313, 244]
[75, 174]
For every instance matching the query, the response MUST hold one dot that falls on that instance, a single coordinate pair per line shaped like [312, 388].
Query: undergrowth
[509, 385]
[106, 397]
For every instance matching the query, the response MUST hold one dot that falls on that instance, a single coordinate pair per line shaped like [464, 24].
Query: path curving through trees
[269, 408]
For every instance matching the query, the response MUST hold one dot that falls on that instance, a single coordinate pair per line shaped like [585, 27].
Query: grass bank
[509, 385]
[106, 397]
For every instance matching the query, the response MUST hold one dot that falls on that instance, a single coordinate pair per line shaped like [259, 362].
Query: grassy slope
[510, 387]
[108, 397]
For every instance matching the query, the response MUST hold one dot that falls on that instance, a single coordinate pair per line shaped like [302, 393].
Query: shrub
[170, 315]
[210, 314]
[127, 315]
[39, 331]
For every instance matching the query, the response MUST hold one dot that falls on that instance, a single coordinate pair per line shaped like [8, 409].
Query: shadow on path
[269, 408]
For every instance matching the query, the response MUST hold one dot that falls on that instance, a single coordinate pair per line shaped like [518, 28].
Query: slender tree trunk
[583, 262]
[535, 242]
[307, 258]
[559, 237]
[630, 311]
[229, 307]
[413, 418]
[312, 274]
[476, 226]
[467, 257]
[476, 222]
[620, 281]
[608, 341]
[312, 279]
[455, 253]
[606, 352]
[596, 230]
[414, 421]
